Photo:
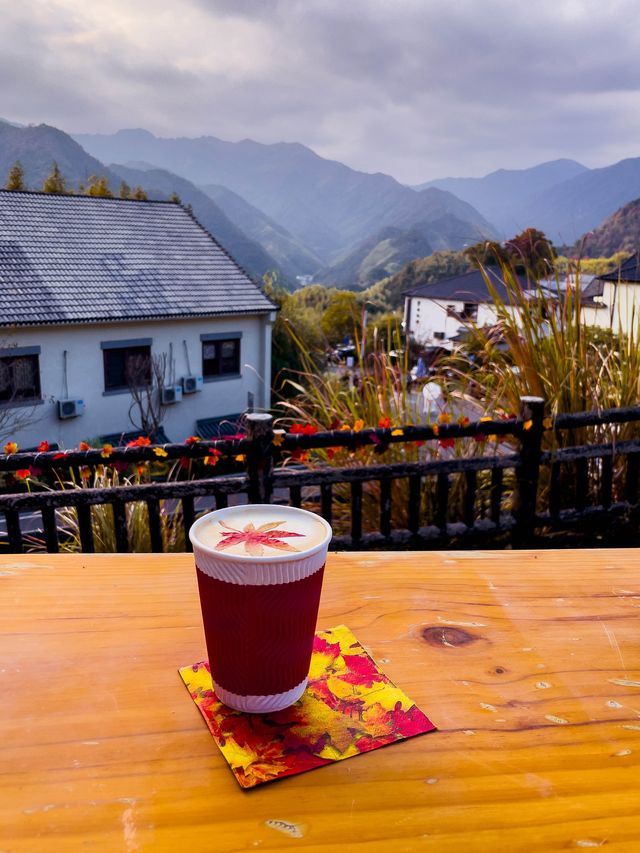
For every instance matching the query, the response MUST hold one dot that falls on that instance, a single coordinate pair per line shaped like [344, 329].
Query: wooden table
[528, 662]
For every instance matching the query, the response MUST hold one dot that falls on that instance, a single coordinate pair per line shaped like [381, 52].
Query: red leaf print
[256, 539]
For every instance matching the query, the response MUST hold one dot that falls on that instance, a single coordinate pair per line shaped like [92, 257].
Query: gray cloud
[416, 89]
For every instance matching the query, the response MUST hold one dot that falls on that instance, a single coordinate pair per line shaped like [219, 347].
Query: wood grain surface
[528, 663]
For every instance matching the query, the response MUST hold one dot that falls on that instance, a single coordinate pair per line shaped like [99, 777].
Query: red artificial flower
[193, 439]
[22, 473]
[384, 423]
[212, 458]
[43, 447]
[303, 429]
[84, 446]
[447, 442]
[140, 441]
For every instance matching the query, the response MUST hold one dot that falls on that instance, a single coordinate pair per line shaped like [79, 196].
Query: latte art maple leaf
[255, 539]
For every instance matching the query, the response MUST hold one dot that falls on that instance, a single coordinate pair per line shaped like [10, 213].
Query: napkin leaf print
[255, 539]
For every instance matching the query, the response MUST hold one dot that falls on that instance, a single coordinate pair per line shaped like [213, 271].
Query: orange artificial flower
[278, 437]
[358, 425]
[193, 439]
[107, 450]
[11, 447]
[84, 446]
[444, 418]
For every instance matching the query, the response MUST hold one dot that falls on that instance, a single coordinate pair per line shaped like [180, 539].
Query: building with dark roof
[619, 292]
[92, 287]
[437, 313]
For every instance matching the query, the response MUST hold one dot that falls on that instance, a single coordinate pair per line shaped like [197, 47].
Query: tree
[343, 317]
[139, 194]
[532, 252]
[15, 178]
[146, 377]
[55, 182]
[125, 190]
[99, 187]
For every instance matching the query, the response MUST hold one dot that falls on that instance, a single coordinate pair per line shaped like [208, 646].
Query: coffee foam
[261, 531]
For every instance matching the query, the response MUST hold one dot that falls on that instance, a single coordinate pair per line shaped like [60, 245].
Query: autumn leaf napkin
[349, 707]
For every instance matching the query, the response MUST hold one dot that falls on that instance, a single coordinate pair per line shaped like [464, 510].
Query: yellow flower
[444, 418]
[358, 425]
[240, 457]
[397, 432]
[160, 451]
[527, 425]
[107, 450]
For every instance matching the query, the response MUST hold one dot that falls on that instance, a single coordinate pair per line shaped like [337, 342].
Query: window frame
[124, 344]
[222, 338]
[14, 353]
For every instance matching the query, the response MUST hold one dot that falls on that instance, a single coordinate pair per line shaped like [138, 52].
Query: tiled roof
[629, 270]
[469, 287]
[79, 259]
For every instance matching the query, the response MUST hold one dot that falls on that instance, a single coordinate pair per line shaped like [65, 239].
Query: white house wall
[108, 413]
[429, 316]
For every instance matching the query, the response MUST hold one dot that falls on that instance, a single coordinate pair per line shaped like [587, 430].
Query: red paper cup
[260, 570]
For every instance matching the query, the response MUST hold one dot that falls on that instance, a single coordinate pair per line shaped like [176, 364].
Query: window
[438, 336]
[126, 364]
[220, 355]
[19, 374]
[470, 311]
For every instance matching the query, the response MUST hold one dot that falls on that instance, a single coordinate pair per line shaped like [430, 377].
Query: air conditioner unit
[171, 394]
[191, 384]
[70, 409]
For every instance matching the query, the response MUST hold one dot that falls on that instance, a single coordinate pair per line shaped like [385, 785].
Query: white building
[435, 313]
[438, 312]
[95, 291]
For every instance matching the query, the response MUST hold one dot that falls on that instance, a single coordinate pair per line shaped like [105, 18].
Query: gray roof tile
[78, 259]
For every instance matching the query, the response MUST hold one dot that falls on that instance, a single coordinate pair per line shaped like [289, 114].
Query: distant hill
[324, 204]
[388, 251]
[159, 183]
[619, 233]
[578, 205]
[379, 256]
[37, 147]
[291, 256]
[502, 195]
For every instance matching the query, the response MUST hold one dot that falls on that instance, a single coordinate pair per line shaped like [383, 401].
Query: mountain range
[283, 207]
[326, 206]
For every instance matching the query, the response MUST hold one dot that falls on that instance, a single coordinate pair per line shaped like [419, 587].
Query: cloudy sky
[415, 88]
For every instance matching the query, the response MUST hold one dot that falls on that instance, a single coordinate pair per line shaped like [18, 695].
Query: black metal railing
[494, 499]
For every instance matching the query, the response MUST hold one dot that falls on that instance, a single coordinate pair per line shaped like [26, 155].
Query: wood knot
[499, 670]
[441, 636]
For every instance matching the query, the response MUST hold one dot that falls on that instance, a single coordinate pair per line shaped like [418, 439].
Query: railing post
[524, 499]
[260, 457]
